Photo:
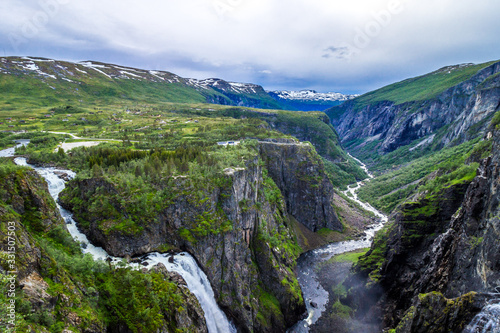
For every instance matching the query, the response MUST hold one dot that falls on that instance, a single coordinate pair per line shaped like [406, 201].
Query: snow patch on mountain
[81, 71]
[312, 96]
[95, 67]
[31, 66]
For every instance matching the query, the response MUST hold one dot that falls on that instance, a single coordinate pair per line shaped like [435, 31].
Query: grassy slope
[448, 166]
[26, 88]
[29, 90]
[423, 87]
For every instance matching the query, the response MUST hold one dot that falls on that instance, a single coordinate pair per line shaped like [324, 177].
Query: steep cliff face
[300, 175]
[49, 295]
[476, 261]
[464, 108]
[446, 242]
[26, 208]
[25, 203]
[236, 226]
[313, 127]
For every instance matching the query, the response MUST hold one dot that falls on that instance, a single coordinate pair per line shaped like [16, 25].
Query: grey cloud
[341, 52]
[325, 45]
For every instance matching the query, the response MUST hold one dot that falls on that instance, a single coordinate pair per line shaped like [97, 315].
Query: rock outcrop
[26, 208]
[299, 174]
[237, 228]
[192, 318]
[437, 314]
[463, 109]
[26, 203]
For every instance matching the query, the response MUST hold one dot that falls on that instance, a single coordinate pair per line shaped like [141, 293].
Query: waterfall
[183, 263]
[198, 284]
[487, 321]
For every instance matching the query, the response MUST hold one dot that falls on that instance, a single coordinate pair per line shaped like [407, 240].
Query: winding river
[315, 296]
[183, 263]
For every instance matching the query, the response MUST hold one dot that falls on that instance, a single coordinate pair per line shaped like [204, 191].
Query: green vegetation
[372, 261]
[314, 127]
[94, 87]
[174, 125]
[158, 145]
[133, 186]
[269, 307]
[79, 288]
[475, 241]
[495, 121]
[422, 88]
[158, 303]
[392, 188]
[352, 257]
[344, 173]
[436, 314]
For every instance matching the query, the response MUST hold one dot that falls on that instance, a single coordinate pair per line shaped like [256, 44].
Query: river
[183, 263]
[9, 152]
[315, 296]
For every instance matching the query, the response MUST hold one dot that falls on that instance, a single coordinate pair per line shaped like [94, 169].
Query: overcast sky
[349, 46]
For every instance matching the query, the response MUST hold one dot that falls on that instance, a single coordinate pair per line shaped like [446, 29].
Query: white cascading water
[9, 152]
[488, 320]
[199, 285]
[183, 263]
[311, 288]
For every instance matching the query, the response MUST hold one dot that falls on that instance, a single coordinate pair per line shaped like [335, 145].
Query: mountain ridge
[453, 103]
[165, 85]
[115, 81]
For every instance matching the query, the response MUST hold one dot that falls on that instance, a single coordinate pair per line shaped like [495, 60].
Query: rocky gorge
[239, 231]
[437, 265]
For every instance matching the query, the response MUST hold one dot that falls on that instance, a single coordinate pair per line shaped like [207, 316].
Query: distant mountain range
[44, 81]
[308, 100]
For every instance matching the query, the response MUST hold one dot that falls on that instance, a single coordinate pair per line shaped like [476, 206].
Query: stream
[313, 292]
[183, 263]
[9, 152]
